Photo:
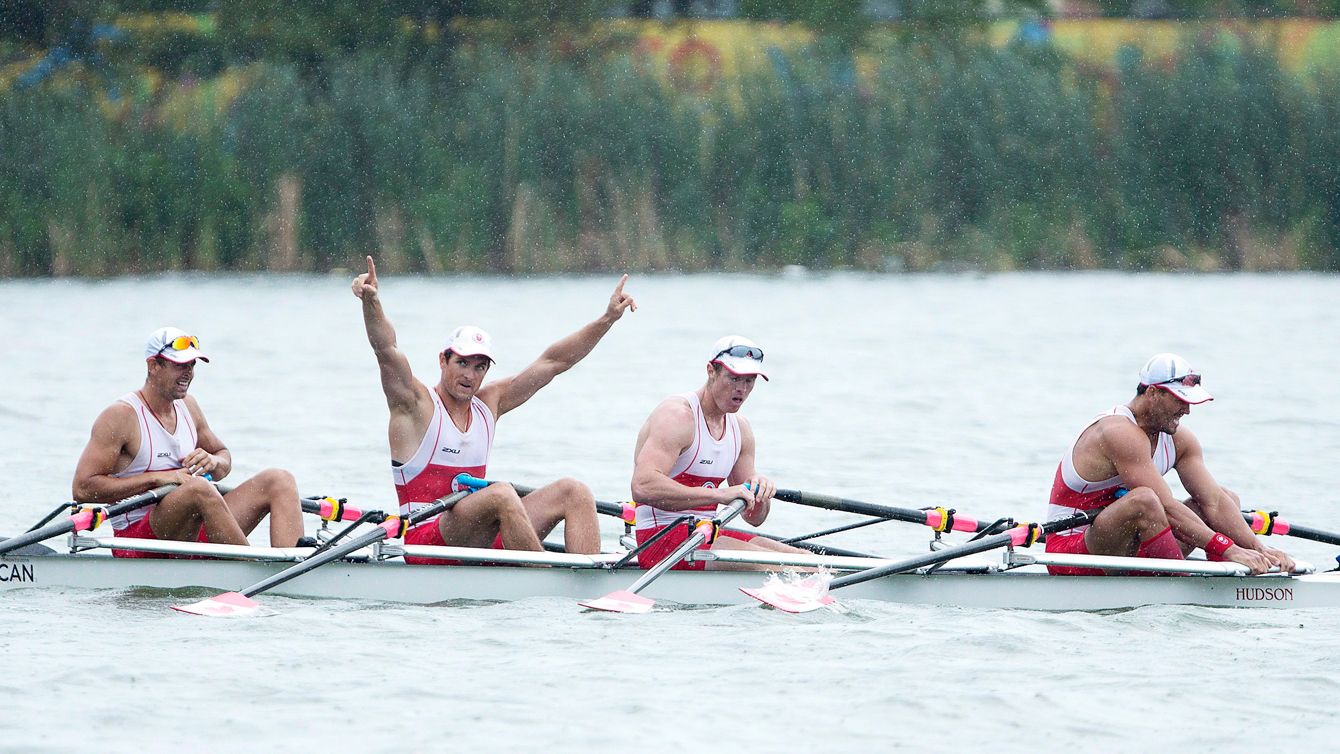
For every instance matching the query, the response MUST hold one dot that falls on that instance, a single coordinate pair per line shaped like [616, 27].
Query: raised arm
[398, 383]
[745, 473]
[667, 433]
[113, 432]
[508, 393]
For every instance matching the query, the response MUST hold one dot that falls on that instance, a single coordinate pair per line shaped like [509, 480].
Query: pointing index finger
[372, 268]
[618, 289]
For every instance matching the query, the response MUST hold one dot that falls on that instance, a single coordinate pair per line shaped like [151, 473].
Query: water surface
[959, 391]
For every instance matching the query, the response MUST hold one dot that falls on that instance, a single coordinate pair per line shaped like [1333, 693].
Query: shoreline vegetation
[939, 155]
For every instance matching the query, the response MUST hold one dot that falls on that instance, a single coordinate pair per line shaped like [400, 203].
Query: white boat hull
[395, 581]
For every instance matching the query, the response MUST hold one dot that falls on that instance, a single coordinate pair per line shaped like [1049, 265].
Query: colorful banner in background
[1303, 45]
[695, 55]
[701, 56]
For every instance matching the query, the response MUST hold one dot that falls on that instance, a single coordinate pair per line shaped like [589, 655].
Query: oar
[628, 601]
[615, 510]
[86, 518]
[626, 512]
[939, 519]
[1270, 523]
[808, 595]
[89, 517]
[240, 603]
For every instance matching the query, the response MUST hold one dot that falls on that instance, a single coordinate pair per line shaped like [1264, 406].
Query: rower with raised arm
[696, 452]
[1117, 463]
[440, 432]
[158, 435]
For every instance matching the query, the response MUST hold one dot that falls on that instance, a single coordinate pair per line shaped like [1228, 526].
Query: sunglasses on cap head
[181, 344]
[1191, 380]
[741, 352]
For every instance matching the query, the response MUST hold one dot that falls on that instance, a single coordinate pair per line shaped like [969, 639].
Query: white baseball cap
[1172, 373]
[174, 345]
[468, 340]
[738, 355]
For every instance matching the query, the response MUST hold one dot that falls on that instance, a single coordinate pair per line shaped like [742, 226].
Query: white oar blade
[621, 602]
[787, 602]
[226, 605]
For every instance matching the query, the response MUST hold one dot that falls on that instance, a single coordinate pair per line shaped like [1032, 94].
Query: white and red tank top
[706, 463]
[444, 452]
[1072, 493]
[160, 450]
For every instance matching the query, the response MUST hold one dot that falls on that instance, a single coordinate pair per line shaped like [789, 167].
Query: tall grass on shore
[942, 156]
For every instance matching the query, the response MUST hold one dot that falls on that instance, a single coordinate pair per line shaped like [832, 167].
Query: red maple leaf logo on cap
[479, 337]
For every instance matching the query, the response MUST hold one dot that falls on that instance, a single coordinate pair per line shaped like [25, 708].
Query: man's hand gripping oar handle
[1022, 535]
[939, 519]
[1266, 524]
[86, 518]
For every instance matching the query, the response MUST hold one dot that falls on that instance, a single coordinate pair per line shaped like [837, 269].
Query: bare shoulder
[1119, 436]
[193, 406]
[491, 394]
[673, 410]
[1185, 442]
[116, 421]
[119, 411]
[746, 429]
[671, 421]
[668, 430]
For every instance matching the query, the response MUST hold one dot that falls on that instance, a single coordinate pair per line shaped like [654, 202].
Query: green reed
[496, 160]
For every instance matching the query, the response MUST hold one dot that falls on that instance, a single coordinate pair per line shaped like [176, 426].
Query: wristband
[1218, 545]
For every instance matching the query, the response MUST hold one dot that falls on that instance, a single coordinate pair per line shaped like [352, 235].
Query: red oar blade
[621, 602]
[226, 605]
[794, 595]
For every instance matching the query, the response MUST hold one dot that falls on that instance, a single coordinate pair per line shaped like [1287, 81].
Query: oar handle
[1266, 524]
[940, 519]
[1022, 535]
[331, 509]
[700, 533]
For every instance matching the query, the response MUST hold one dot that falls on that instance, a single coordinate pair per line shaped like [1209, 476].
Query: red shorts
[1070, 544]
[667, 544]
[427, 533]
[143, 530]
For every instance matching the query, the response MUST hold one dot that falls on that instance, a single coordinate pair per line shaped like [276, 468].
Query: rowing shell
[979, 583]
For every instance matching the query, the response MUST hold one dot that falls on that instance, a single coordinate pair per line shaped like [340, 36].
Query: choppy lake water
[912, 390]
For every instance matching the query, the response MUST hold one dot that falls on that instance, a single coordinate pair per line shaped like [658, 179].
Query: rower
[440, 432]
[696, 452]
[158, 435]
[1127, 450]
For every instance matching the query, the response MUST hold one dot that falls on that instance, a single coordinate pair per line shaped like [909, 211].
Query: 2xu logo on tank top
[160, 450]
[1072, 493]
[444, 453]
[705, 451]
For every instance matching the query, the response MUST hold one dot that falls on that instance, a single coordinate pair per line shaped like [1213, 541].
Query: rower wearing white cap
[158, 435]
[440, 432]
[696, 452]
[1117, 464]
